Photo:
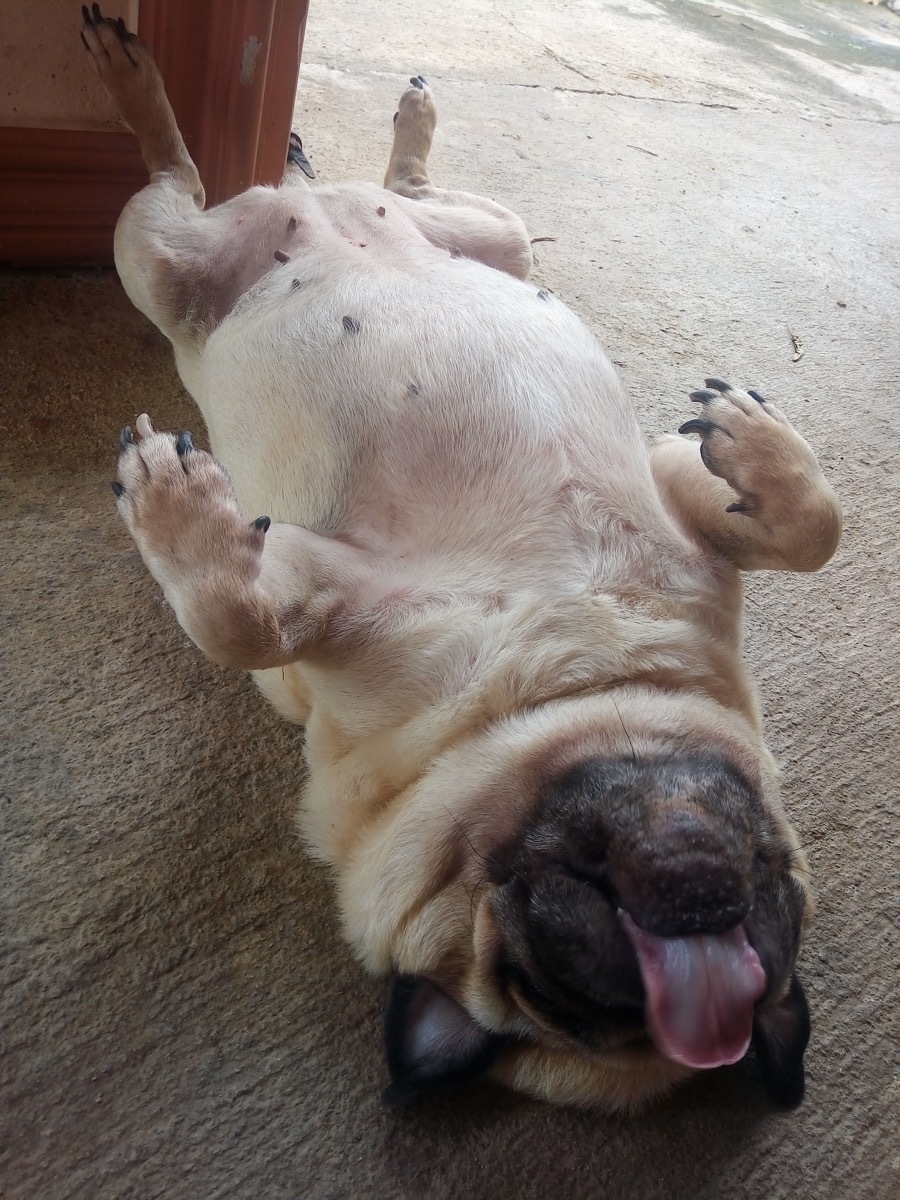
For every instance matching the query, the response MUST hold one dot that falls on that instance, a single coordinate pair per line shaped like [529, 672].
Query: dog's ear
[780, 1035]
[431, 1041]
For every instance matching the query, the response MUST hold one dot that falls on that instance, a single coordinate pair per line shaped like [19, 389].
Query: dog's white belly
[429, 405]
[460, 424]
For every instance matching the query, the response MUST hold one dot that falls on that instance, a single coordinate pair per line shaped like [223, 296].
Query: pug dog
[432, 529]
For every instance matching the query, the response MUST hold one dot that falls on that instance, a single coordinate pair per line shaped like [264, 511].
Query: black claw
[543, 294]
[701, 426]
[84, 41]
[740, 508]
[184, 443]
[719, 384]
[424, 80]
[756, 396]
[85, 15]
[704, 396]
[121, 28]
[126, 438]
[118, 490]
[95, 9]
[262, 524]
[396, 115]
[417, 81]
[296, 156]
[281, 257]
[707, 459]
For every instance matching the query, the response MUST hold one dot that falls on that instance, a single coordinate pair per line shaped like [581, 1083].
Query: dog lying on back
[511, 630]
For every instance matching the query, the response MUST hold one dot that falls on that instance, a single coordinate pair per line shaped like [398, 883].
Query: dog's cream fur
[476, 573]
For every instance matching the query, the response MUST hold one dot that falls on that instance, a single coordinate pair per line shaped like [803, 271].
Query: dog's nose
[683, 874]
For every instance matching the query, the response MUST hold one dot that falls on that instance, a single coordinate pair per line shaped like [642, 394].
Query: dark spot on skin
[455, 252]
[543, 294]
[380, 212]
[351, 325]
[280, 256]
[292, 224]
[413, 390]
[362, 245]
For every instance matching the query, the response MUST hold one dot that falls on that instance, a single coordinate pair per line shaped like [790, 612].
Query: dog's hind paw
[296, 156]
[111, 45]
[124, 64]
[416, 118]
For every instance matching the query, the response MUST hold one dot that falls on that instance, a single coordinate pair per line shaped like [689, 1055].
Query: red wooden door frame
[231, 70]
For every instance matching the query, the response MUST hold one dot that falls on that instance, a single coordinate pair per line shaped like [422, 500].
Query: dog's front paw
[179, 507]
[752, 446]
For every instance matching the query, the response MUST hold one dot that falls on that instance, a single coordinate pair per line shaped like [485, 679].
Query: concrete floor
[718, 184]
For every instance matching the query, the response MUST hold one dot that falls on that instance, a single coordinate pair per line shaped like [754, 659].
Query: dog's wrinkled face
[646, 900]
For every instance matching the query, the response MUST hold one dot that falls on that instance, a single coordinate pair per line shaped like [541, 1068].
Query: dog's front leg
[250, 594]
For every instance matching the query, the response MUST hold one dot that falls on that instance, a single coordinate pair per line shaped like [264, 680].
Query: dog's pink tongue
[700, 993]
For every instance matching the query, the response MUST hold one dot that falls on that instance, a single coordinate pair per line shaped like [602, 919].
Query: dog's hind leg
[460, 222]
[752, 489]
[130, 75]
[162, 225]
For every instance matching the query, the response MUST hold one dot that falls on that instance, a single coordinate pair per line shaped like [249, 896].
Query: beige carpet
[179, 1017]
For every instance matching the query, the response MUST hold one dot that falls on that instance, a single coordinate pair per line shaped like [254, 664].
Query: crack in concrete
[564, 62]
[822, 117]
[652, 99]
[548, 50]
[570, 66]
